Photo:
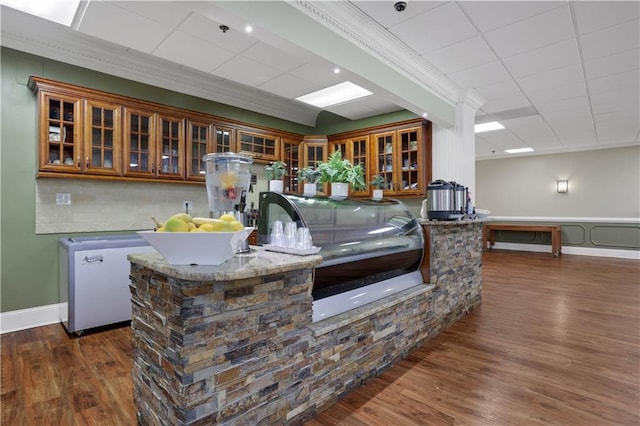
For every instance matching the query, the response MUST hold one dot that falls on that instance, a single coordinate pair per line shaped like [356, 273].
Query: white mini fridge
[94, 280]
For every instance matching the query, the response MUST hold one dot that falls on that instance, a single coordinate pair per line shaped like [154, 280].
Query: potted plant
[340, 174]
[378, 183]
[274, 173]
[310, 176]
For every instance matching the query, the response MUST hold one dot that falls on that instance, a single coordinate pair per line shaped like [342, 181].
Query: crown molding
[44, 38]
[354, 25]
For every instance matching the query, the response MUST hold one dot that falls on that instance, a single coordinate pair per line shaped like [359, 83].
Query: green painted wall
[29, 262]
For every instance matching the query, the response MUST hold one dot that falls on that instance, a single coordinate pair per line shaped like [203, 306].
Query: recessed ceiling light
[518, 150]
[486, 127]
[60, 11]
[248, 28]
[424, 114]
[336, 70]
[334, 95]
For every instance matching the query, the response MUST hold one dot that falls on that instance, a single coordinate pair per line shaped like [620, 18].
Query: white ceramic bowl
[482, 213]
[196, 248]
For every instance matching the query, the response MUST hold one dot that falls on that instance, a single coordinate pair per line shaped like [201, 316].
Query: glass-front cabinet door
[359, 154]
[60, 127]
[170, 149]
[410, 161]
[139, 135]
[102, 132]
[291, 157]
[198, 145]
[313, 153]
[383, 159]
[261, 147]
[224, 137]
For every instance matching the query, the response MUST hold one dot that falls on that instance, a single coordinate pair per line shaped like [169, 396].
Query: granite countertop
[247, 265]
[451, 222]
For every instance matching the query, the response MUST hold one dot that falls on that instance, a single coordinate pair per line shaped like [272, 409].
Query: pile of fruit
[183, 222]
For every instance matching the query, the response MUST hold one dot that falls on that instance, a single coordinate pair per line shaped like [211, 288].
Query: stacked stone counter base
[235, 344]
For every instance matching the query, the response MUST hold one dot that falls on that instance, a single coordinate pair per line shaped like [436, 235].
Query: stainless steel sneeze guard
[363, 242]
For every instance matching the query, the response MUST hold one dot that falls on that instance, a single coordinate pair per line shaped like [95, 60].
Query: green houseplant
[336, 170]
[378, 183]
[310, 176]
[275, 172]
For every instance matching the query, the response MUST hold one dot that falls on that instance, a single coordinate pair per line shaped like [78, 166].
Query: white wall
[602, 183]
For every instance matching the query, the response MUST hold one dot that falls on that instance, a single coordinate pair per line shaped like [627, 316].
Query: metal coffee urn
[441, 200]
[459, 198]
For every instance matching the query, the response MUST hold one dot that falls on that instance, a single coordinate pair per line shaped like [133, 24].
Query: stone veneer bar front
[235, 343]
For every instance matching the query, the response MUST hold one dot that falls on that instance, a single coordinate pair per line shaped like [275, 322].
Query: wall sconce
[563, 186]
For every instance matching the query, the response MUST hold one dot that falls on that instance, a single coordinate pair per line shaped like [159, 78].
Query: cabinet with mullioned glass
[291, 156]
[356, 150]
[312, 154]
[102, 132]
[262, 147]
[398, 158]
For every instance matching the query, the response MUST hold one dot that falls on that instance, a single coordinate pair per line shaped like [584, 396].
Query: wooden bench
[488, 231]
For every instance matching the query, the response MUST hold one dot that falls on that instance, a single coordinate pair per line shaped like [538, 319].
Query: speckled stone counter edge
[258, 262]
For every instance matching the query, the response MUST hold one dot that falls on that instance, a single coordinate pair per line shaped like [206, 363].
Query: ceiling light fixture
[487, 127]
[334, 95]
[248, 28]
[336, 70]
[518, 150]
[60, 11]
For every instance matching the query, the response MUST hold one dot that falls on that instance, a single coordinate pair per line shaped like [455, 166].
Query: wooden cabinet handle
[78, 161]
[87, 162]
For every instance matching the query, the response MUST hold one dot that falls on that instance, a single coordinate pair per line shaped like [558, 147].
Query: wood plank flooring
[555, 342]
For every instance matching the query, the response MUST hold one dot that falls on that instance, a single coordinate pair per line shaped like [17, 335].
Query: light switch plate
[63, 198]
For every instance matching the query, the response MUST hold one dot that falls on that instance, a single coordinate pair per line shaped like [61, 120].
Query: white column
[454, 149]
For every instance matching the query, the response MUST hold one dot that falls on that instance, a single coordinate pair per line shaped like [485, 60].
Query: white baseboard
[29, 318]
[582, 251]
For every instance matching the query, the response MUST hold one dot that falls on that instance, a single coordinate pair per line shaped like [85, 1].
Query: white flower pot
[377, 194]
[339, 190]
[276, 185]
[309, 189]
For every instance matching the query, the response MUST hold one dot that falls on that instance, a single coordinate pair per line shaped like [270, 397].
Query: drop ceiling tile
[629, 80]
[572, 104]
[489, 15]
[288, 86]
[207, 29]
[459, 56]
[133, 31]
[553, 78]
[246, 71]
[567, 91]
[434, 29]
[611, 40]
[319, 76]
[192, 52]
[163, 12]
[504, 89]
[546, 58]
[533, 131]
[482, 75]
[385, 14]
[502, 139]
[613, 64]
[274, 57]
[505, 104]
[484, 149]
[620, 100]
[541, 30]
[596, 15]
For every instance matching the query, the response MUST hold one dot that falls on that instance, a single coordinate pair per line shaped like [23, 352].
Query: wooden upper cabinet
[199, 144]
[224, 139]
[139, 142]
[312, 154]
[261, 146]
[102, 133]
[358, 149]
[291, 155]
[398, 156]
[59, 132]
[170, 149]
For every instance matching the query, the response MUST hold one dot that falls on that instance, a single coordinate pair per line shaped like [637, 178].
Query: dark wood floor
[555, 342]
